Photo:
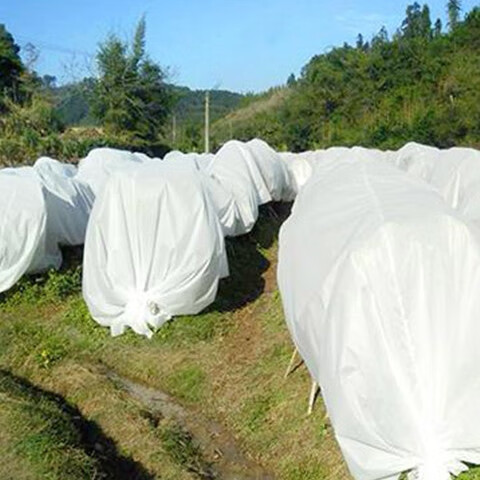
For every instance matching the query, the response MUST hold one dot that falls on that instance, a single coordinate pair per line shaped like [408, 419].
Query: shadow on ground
[66, 428]
[246, 261]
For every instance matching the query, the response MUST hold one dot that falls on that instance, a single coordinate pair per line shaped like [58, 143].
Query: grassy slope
[241, 118]
[66, 420]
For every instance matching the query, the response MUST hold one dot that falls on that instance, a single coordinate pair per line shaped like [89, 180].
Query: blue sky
[240, 45]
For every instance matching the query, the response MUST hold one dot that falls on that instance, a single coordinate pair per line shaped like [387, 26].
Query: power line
[53, 47]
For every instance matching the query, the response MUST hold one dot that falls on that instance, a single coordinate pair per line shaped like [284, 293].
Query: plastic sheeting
[154, 248]
[379, 281]
[23, 223]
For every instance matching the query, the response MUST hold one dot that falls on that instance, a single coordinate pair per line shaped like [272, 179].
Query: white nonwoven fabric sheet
[23, 220]
[236, 171]
[379, 280]
[154, 248]
[95, 169]
[68, 201]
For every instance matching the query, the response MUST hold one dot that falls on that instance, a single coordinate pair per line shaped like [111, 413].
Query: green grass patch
[306, 470]
[45, 435]
[187, 383]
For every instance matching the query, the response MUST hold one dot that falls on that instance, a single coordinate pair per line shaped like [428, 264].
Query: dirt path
[218, 447]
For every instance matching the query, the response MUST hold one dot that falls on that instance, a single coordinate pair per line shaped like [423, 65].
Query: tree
[291, 80]
[454, 8]
[417, 23]
[437, 29]
[49, 81]
[11, 66]
[130, 94]
[360, 42]
[381, 38]
[425, 22]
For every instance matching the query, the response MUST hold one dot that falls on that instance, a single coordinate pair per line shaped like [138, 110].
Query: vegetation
[129, 105]
[11, 67]
[130, 100]
[189, 113]
[422, 84]
[224, 366]
[130, 95]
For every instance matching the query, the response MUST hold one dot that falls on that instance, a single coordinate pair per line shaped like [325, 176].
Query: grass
[41, 433]
[182, 449]
[65, 417]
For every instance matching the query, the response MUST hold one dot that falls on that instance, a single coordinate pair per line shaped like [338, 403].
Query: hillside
[255, 117]
[420, 84]
[73, 107]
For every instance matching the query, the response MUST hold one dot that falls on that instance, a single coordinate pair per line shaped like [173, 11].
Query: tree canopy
[130, 94]
[11, 66]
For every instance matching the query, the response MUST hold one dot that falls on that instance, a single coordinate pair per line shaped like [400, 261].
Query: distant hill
[72, 103]
[73, 107]
[421, 83]
[190, 107]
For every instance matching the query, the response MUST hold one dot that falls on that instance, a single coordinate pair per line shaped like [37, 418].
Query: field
[205, 398]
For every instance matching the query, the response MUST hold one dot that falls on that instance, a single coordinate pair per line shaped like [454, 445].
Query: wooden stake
[292, 363]
[313, 395]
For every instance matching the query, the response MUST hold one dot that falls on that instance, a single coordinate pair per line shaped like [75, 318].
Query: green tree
[417, 23]
[130, 94]
[360, 44]
[11, 66]
[454, 8]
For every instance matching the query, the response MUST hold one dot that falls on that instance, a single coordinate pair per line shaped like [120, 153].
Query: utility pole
[174, 130]
[207, 122]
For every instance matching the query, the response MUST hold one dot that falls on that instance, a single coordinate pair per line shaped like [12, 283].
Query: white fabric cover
[236, 171]
[96, 168]
[143, 157]
[50, 164]
[274, 172]
[154, 248]
[23, 223]
[454, 173]
[223, 202]
[300, 168]
[380, 284]
[418, 160]
[47, 254]
[68, 201]
[222, 199]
